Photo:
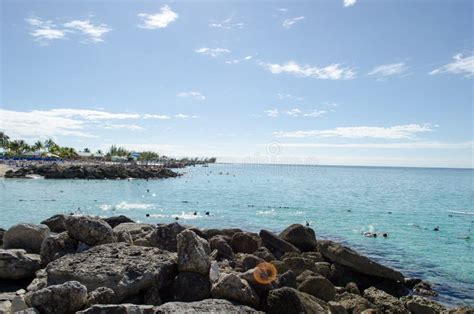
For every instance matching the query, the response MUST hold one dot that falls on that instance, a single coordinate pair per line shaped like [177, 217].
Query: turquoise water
[339, 202]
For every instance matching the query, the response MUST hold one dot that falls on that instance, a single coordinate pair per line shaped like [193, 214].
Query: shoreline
[211, 264]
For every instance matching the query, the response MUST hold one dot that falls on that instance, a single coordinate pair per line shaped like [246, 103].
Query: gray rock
[164, 236]
[5, 307]
[352, 287]
[204, 306]
[353, 303]
[2, 233]
[224, 232]
[299, 264]
[244, 242]
[339, 254]
[265, 254]
[319, 287]
[114, 221]
[152, 296]
[118, 309]
[224, 250]
[300, 236]
[135, 233]
[190, 287]
[275, 243]
[89, 230]
[25, 236]
[384, 301]
[61, 299]
[250, 261]
[289, 301]
[56, 223]
[336, 308]
[57, 245]
[17, 264]
[231, 287]
[323, 268]
[39, 282]
[101, 295]
[287, 279]
[30, 310]
[193, 253]
[421, 305]
[126, 269]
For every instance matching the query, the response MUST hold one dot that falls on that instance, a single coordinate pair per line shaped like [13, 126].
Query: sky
[340, 82]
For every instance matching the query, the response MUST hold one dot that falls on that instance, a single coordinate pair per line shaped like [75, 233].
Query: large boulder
[118, 309]
[288, 301]
[135, 233]
[89, 230]
[224, 250]
[17, 264]
[25, 236]
[342, 255]
[125, 268]
[384, 301]
[354, 303]
[265, 254]
[244, 242]
[193, 253]
[300, 236]
[66, 298]
[232, 287]
[319, 287]
[204, 306]
[2, 233]
[299, 264]
[101, 295]
[275, 243]
[57, 245]
[421, 305]
[190, 287]
[114, 221]
[56, 223]
[164, 236]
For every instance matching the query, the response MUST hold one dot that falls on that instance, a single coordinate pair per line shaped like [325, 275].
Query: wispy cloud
[272, 113]
[185, 116]
[237, 61]
[294, 112]
[460, 65]
[213, 52]
[408, 131]
[399, 145]
[290, 22]
[157, 20]
[45, 31]
[349, 3]
[330, 72]
[192, 94]
[389, 69]
[315, 113]
[228, 23]
[282, 96]
[93, 31]
[130, 127]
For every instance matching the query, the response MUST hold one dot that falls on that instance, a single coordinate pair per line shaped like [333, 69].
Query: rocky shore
[92, 171]
[80, 264]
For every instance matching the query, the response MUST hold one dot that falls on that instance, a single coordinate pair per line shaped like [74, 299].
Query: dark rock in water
[193, 253]
[25, 236]
[275, 243]
[287, 279]
[289, 301]
[66, 298]
[423, 288]
[224, 250]
[56, 223]
[164, 236]
[90, 230]
[300, 236]
[190, 287]
[319, 287]
[117, 220]
[353, 303]
[124, 268]
[231, 287]
[118, 309]
[205, 306]
[101, 295]
[384, 301]
[2, 233]
[57, 245]
[17, 264]
[339, 254]
[411, 282]
[420, 305]
[244, 242]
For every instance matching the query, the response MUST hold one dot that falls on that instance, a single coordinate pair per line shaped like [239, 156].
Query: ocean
[340, 203]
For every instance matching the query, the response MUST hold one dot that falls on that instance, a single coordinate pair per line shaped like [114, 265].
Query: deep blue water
[339, 202]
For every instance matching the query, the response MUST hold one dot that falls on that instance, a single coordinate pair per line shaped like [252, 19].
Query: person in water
[195, 213]
[307, 223]
[207, 214]
[436, 228]
[147, 215]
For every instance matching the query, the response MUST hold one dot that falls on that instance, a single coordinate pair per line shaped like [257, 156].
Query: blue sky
[364, 82]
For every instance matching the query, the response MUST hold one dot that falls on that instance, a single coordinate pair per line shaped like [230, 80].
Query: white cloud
[272, 113]
[389, 69]
[349, 3]
[94, 32]
[282, 96]
[228, 23]
[213, 52]
[184, 116]
[192, 94]
[460, 65]
[236, 61]
[295, 112]
[86, 114]
[282, 9]
[400, 145]
[158, 20]
[155, 116]
[408, 131]
[330, 72]
[290, 22]
[315, 113]
[45, 31]
[131, 127]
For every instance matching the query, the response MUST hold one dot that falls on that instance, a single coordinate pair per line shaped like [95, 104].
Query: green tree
[51, 145]
[38, 146]
[4, 140]
[87, 150]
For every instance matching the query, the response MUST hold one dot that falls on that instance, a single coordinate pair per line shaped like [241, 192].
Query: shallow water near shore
[339, 203]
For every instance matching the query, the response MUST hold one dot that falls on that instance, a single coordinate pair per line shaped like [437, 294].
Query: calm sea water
[339, 202]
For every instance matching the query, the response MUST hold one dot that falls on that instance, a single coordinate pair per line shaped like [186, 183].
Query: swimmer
[176, 218]
[147, 215]
[195, 213]
[307, 223]
[207, 213]
[436, 228]
[148, 190]
[389, 212]
[369, 234]
[349, 210]
[385, 235]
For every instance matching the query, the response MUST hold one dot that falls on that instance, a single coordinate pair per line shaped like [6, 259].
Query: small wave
[158, 215]
[125, 205]
[105, 207]
[266, 212]
[189, 215]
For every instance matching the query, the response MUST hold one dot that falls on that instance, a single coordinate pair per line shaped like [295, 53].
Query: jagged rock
[299, 264]
[57, 245]
[56, 223]
[265, 254]
[152, 296]
[39, 282]
[231, 287]
[287, 279]
[193, 253]
[459, 310]
[5, 306]
[89, 230]
[319, 287]
[244, 242]
[323, 268]
[25, 236]
[305, 275]
[352, 287]
[423, 288]
[337, 253]
[421, 305]
[2, 233]
[68, 297]
[190, 287]
[101, 295]
[288, 301]
[204, 306]
[135, 233]
[336, 308]
[164, 236]
[250, 261]
[224, 250]
[229, 232]
[353, 303]
[300, 236]
[17, 264]
[114, 221]
[118, 309]
[275, 243]
[13, 302]
[384, 301]
[126, 269]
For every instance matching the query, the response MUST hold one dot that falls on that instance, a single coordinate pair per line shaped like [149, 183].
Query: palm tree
[50, 145]
[99, 152]
[4, 140]
[87, 150]
[38, 146]
[18, 147]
